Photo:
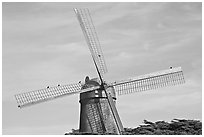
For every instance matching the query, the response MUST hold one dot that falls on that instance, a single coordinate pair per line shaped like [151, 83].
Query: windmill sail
[89, 31]
[42, 95]
[92, 40]
[150, 81]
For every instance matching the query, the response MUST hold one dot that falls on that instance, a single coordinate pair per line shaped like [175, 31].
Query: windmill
[98, 112]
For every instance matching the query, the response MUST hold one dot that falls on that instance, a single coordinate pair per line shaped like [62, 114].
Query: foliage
[175, 127]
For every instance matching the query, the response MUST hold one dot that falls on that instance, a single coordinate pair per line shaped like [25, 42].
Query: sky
[43, 45]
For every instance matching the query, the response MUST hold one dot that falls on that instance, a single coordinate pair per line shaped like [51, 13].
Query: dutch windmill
[98, 112]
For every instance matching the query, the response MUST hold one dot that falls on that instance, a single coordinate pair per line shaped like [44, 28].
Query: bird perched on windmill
[98, 113]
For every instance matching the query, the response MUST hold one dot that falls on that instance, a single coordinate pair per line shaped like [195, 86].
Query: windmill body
[95, 112]
[98, 113]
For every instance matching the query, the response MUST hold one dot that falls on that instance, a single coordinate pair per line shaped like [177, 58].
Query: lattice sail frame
[150, 81]
[141, 83]
[42, 95]
[92, 40]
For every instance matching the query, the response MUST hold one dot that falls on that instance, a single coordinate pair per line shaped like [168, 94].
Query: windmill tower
[98, 112]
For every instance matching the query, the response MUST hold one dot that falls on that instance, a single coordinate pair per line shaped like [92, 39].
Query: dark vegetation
[175, 127]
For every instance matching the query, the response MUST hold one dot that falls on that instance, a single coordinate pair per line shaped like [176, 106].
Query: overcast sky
[43, 45]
